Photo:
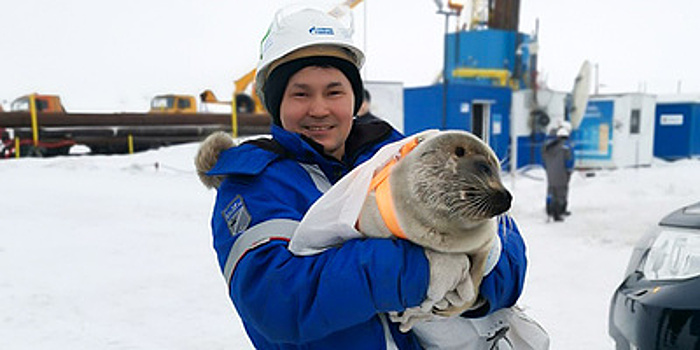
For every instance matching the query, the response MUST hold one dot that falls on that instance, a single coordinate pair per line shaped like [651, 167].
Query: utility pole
[454, 9]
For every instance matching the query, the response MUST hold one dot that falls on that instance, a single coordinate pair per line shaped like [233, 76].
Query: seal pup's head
[447, 192]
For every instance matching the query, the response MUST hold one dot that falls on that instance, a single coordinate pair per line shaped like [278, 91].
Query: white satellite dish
[582, 86]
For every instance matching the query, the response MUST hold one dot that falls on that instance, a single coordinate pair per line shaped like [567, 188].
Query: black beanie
[276, 82]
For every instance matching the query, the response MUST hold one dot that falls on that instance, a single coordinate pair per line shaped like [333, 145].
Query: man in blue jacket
[310, 83]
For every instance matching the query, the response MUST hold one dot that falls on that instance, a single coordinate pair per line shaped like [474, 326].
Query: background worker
[558, 158]
[309, 80]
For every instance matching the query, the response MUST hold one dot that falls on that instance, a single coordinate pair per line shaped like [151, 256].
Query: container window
[634, 121]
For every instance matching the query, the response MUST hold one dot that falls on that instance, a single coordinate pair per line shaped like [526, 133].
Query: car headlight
[675, 254]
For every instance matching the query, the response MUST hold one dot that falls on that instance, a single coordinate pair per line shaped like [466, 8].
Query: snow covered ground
[114, 252]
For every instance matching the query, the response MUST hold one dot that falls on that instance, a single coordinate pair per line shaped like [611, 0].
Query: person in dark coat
[558, 158]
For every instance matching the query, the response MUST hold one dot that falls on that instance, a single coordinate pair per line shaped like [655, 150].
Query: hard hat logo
[321, 31]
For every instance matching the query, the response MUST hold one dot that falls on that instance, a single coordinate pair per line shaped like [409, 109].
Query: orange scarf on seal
[382, 190]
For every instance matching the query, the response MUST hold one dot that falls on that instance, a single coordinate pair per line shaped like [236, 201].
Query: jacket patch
[236, 216]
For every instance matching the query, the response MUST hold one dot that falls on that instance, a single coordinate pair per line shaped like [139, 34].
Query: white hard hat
[562, 132]
[566, 125]
[309, 27]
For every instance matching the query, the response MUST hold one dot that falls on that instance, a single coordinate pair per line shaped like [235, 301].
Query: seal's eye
[459, 151]
[483, 168]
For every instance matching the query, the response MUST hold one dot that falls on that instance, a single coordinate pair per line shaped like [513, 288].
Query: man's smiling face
[318, 103]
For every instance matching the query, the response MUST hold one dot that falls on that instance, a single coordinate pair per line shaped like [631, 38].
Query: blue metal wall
[423, 110]
[677, 130]
[488, 49]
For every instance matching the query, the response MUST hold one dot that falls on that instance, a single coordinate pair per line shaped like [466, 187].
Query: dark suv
[657, 306]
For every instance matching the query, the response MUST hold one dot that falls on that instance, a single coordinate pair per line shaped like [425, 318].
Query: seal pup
[444, 193]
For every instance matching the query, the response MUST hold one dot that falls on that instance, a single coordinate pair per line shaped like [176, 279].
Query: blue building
[482, 67]
[677, 128]
[482, 110]
[490, 56]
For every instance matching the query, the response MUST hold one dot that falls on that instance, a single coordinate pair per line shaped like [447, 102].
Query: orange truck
[173, 104]
[208, 103]
[43, 104]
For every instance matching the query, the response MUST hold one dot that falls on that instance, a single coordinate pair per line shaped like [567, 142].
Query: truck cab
[44, 104]
[173, 104]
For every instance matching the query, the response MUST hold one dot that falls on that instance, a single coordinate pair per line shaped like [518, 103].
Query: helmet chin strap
[382, 190]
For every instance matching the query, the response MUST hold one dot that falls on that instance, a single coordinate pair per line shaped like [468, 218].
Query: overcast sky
[116, 54]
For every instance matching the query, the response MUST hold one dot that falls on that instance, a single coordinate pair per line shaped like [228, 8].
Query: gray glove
[450, 282]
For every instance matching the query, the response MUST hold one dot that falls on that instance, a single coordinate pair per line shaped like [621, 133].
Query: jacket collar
[362, 137]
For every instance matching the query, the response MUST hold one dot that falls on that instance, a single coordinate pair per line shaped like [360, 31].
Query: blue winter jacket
[335, 299]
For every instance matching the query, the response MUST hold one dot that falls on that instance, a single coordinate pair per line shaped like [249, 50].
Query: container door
[481, 120]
